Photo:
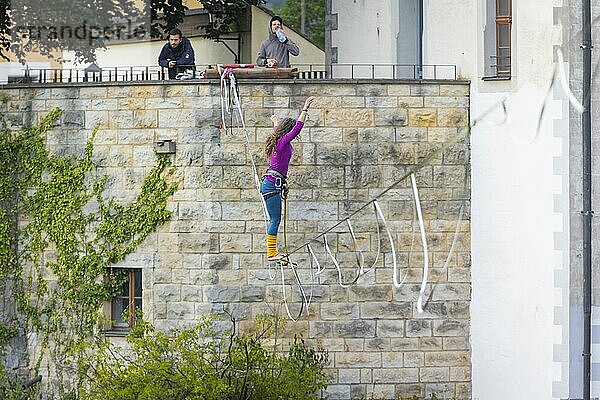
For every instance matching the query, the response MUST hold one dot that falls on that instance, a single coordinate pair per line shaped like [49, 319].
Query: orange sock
[271, 245]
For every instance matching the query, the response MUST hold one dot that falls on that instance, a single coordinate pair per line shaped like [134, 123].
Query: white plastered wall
[146, 53]
[513, 225]
[373, 32]
[448, 29]
[516, 215]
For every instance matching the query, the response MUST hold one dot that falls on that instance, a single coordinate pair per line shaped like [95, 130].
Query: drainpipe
[586, 122]
[419, 39]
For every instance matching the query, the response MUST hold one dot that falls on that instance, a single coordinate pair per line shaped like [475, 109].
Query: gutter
[587, 213]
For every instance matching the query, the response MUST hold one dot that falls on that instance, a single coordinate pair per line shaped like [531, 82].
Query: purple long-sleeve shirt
[280, 158]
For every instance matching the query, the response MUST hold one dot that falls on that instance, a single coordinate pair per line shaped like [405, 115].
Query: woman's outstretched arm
[304, 111]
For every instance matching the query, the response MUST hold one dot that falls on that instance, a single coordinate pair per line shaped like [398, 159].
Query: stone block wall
[361, 137]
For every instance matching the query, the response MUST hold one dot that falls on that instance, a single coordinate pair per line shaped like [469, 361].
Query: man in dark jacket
[177, 55]
[276, 50]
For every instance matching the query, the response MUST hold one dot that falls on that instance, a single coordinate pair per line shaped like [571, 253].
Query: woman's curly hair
[283, 127]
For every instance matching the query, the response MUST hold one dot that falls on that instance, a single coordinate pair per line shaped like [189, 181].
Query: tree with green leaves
[313, 14]
[45, 27]
[202, 363]
[226, 16]
[61, 25]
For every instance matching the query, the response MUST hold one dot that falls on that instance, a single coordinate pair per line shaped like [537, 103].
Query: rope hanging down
[230, 97]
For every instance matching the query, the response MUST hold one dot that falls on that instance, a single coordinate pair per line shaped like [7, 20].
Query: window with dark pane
[497, 39]
[503, 8]
[503, 45]
[124, 306]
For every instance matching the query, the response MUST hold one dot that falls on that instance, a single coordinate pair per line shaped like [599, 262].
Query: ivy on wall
[59, 234]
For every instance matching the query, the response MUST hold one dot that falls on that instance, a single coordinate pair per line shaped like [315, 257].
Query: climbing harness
[280, 179]
[281, 186]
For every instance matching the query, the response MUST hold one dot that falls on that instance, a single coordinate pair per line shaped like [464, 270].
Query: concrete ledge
[240, 81]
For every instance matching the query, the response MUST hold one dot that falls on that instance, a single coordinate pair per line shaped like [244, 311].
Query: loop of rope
[360, 259]
[292, 266]
[413, 183]
[448, 257]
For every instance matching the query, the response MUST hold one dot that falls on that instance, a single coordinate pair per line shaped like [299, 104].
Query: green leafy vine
[59, 235]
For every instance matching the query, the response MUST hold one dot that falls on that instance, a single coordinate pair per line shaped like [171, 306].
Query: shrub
[199, 363]
[11, 386]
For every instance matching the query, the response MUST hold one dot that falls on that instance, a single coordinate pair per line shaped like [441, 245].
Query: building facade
[360, 140]
[526, 314]
[506, 317]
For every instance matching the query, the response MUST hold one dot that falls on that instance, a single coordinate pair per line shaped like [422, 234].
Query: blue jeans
[273, 205]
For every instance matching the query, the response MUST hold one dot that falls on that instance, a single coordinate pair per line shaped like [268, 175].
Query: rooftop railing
[304, 72]
[376, 71]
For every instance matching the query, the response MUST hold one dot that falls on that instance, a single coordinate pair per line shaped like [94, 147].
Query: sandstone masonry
[361, 137]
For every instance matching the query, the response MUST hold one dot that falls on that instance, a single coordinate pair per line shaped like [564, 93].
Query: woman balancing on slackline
[278, 148]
